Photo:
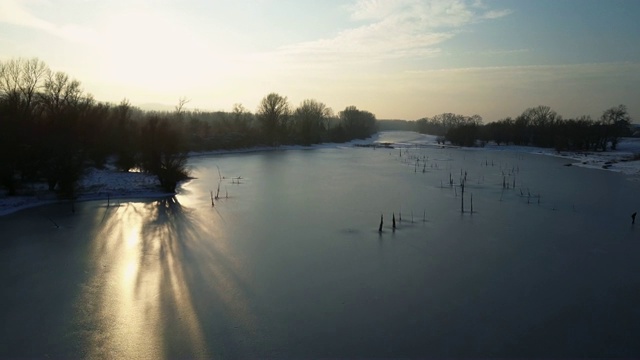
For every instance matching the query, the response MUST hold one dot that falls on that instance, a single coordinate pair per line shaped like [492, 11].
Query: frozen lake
[291, 263]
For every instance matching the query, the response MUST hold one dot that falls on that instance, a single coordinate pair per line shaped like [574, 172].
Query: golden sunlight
[151, 258]
[156, 53]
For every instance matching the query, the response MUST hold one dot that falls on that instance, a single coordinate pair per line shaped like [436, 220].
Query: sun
[151, 51]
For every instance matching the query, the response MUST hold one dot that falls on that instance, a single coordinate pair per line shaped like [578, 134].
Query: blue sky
[396, 58]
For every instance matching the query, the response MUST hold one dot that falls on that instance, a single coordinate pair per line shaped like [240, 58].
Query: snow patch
[109, 183]
[625, 159]
[95, 185]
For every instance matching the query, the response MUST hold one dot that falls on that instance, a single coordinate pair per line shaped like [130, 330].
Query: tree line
[543, 127]
[538, 126]
[51, 130]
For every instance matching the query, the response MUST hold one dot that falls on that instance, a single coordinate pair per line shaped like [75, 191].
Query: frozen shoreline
[620, 160]
[95, 185]
[112, 184]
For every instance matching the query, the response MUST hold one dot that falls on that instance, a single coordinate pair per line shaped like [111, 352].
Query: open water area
[290, 261]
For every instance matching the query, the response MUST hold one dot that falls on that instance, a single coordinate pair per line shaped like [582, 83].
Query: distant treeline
[50, 129]
[406, 125]
[538, 126]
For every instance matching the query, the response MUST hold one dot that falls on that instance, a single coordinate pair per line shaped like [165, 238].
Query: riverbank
[626, 159]
[97, 184]
[109, 183]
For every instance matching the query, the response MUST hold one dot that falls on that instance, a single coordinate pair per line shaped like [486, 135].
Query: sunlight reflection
[129, 273]
[132, 239]
[151, 259]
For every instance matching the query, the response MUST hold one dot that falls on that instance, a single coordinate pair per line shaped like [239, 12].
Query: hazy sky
[396, 58]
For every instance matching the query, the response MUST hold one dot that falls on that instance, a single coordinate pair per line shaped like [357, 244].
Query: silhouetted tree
[163, 152]
[20, 82]
[541, 121]
[180, 108]
[51, 130]
[240, 129]
[358, 124]
[541, 126]
[615, 123]
[442, 123]
[310, 121]
[124, 136]
[62, 154]
[463, 135]
[273, 114]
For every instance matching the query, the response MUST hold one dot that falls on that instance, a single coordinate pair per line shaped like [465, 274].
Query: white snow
[621, 160]
[110, 183]
[96, 184]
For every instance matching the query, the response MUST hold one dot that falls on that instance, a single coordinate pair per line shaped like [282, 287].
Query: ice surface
[291, 263]
[100, 184]
[620, 160]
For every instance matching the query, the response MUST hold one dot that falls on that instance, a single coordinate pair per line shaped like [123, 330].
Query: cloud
[391, 29]
[374, 9]
[502, 52]
[425, 14]
[384, 39]
[16, 13]
[495, 14]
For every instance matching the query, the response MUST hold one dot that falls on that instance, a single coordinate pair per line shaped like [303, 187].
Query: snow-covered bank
[109, 183]
[626, 159]
[112, 184]
[95, 185]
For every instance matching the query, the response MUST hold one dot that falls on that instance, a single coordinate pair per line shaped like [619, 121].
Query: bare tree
[239, 111]
[358, 124]
[241, 119]
[163, 151]
[273, 114]
[180, 107]
[311, 119]
[60, 93]
[20, 80]
[475, 120]
[615, 123]
[124, 136]
[540, 122]
[65, 107]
